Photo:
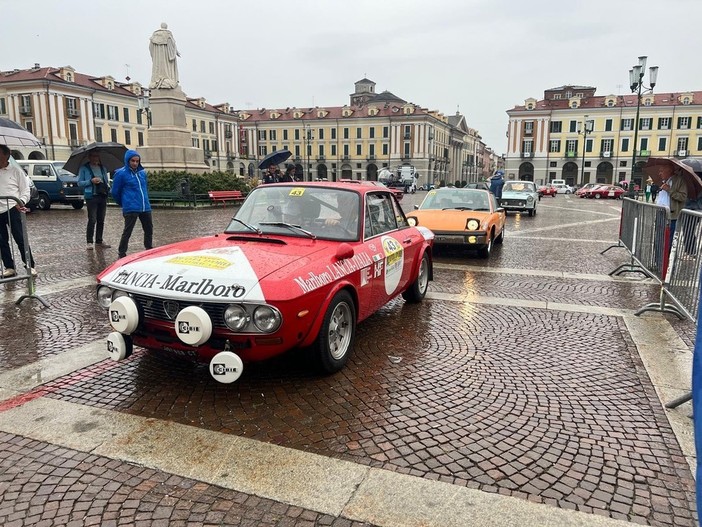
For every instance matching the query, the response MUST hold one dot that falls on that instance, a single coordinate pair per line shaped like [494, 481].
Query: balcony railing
[228, 134]
[571, 153]
[605, 153]
[644, 153]
[208, 153]
[73, 112]
[527, 154]
[320, 158]
[681, 153]
[74, 143]
[25, 110]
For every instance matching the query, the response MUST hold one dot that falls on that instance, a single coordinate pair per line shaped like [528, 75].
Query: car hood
[449, 219]
[218, 268]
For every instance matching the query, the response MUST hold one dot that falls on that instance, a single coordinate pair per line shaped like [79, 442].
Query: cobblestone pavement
[547, 405]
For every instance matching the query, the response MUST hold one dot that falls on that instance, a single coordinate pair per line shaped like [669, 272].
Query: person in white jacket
[14, 183]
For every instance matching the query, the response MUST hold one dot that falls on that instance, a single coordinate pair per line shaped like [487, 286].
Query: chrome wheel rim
[340, 328]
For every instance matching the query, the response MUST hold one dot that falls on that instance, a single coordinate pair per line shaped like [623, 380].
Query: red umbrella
[694, 184]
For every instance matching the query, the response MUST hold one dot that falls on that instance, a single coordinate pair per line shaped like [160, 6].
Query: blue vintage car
[519, 196]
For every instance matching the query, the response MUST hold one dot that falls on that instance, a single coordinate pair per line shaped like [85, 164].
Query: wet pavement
[519, 377]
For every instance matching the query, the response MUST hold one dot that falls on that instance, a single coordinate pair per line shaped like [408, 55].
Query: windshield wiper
[289, 226]
[250, 227]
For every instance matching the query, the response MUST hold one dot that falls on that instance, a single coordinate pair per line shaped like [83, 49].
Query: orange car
[460, 216]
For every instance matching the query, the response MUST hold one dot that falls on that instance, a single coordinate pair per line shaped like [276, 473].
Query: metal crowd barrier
[11, 201]
[644, 230]
[680, 288]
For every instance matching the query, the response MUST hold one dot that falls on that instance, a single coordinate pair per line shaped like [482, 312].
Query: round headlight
[266, 319]
[473, 225]
[412, 221]
[104, 296]
[236, 317]
[530, 199]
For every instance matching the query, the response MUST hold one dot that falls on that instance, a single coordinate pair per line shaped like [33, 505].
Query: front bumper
[466, 238]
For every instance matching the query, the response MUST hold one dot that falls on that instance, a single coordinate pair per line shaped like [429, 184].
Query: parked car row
[596, 191]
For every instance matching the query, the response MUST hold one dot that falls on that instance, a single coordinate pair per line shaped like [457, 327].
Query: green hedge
[169, 180]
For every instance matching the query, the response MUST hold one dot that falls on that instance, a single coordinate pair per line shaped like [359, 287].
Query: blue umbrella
[274, 158]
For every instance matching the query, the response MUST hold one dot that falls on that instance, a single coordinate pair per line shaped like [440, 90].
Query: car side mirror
[416, 207]
[343, 251]
[500, 209]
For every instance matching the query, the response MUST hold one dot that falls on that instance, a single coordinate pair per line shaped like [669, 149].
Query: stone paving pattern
[482, 396]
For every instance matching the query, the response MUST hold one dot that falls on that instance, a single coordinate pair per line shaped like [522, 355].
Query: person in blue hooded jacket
[129, 190]
[496, 183]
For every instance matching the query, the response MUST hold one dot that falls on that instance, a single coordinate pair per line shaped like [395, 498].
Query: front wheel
[77, 205]
[418, 290]
[336, 336]
[597, 196]
[485, 251]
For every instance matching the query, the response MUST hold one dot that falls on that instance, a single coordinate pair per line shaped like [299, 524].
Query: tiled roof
[334, 112]
[52, 74]
[626, 101]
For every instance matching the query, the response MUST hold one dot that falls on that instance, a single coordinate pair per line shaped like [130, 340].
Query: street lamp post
[308, 143]
[636, 75]
[585, 129]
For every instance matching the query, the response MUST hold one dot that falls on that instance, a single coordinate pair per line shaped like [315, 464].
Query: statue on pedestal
[164, 72]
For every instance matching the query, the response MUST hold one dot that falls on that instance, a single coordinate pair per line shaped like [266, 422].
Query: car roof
[340, 185]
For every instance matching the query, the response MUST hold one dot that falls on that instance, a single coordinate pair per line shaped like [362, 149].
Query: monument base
[173, 158]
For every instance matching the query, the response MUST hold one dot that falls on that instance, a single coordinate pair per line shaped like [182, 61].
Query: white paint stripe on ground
[542, 272]
[48, 289]
[562, 226]
[569, 240]
[586, 211]
[302, 479]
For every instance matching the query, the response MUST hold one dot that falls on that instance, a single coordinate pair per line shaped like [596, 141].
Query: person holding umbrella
[271, 176]
[129, 190]
[13, 182]
[93, 178]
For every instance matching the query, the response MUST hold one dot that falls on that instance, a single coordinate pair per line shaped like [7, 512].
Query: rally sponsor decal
[208, 262]
[199, 275]
[394, 262]
[333, 272]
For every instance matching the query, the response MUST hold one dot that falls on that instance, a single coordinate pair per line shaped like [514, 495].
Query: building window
[682, 143]
[622, 164]
[274, 136]
[606, 145]
[588, 145]
[664, 123]
[406, 152]
[262, 150]
[212, 128]
[386, 132]
[662, 143]
[645, 123]
[285, 135]
[112, 113]
[644, 143]
[572, 146]
[554, 145]
[203, 128]
[138, 114]
[371, 150]
[194, 125]
[358, 133]
[371, 131]
[556, 127]
[346, 133]
[333, 133]
[625, 144]
[297, 134]
[98, 134]
[3, 106]
[125, 113]
[359, 149]
[333, 148]
[127, 137]
[627, 124]
[346, 150]
[683, 124]
[321, 134]
[408, 130]
[526, 146]
[699, 143]
[608, 125]
[553, 164]
[98, 110]
[573, 126]
[385, 149]
[297, 150]
[113, 135]
[140, 136]
[196, 142]
[529, 127]
[321, 150]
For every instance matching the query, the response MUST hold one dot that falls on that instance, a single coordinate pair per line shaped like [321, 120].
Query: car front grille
[155, 309]
[513, 202]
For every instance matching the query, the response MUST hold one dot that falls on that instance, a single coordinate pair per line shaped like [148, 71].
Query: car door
[393, 246]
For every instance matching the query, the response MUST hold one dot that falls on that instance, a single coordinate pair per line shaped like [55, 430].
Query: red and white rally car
[297, 267]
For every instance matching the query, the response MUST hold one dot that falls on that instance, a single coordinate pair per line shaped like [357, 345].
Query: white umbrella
[13, 135]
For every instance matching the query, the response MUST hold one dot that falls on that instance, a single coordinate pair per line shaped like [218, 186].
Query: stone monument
[169, 139]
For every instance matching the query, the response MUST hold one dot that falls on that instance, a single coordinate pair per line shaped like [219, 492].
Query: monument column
[169, 141]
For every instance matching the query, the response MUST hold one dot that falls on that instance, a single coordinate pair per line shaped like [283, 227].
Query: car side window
[380, 214]
[399, 214]
[42, 170]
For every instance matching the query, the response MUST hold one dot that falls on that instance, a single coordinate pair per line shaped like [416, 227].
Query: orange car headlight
[472, 225]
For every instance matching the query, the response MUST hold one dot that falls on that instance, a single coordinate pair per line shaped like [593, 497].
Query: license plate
[450, 238]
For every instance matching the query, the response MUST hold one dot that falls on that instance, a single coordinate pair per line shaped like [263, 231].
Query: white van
[561, 187]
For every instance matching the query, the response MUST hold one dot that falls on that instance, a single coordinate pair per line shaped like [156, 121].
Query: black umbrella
[12, 134]
[111, 156]
[695, 163]
[274, 158]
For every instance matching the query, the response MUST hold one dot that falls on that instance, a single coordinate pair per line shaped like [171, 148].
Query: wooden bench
[224, 196]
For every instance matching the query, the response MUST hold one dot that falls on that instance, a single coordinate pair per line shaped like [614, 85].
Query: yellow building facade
[575, 135]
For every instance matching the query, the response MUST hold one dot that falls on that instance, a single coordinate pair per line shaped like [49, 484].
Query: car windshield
[311, 212]
[456, 198]
[518, 186]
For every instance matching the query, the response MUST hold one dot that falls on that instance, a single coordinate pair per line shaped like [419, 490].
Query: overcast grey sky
[479, 56]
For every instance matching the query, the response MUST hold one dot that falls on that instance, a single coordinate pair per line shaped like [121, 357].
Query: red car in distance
[605, 191]
[582, 191]
[547, 190]
[399, 194]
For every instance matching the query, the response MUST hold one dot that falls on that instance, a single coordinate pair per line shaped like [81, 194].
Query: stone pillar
[169, 142]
